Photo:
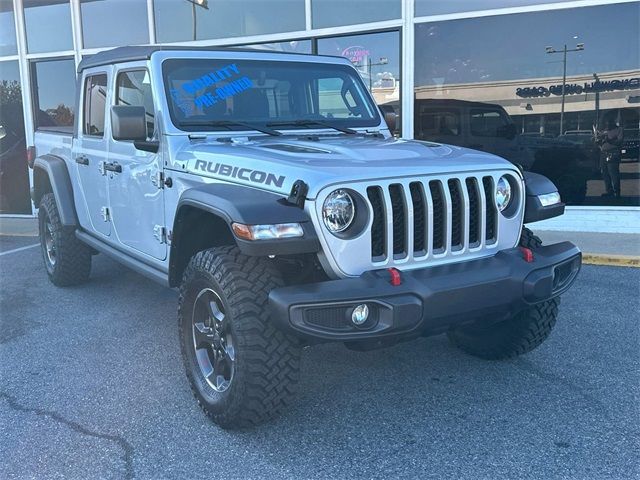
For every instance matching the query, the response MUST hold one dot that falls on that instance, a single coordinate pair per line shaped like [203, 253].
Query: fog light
[360, 315]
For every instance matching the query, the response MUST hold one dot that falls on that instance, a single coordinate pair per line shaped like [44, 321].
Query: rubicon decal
[255, 176]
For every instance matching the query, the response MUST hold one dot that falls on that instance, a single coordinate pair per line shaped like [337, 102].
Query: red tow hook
[395, 276]
[527, 254]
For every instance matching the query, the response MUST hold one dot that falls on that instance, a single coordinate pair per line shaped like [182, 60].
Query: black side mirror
[390, 117]
[128, 122]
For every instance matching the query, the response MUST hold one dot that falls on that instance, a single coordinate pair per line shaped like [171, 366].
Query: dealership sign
[575, 88]
[356, 53]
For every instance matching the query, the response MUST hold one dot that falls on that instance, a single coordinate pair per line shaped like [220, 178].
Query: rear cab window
[94, 105]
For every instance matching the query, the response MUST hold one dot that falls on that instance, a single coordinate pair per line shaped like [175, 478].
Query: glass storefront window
[179, 21]
[293, 46]
[54, 93]
[101, 17]
[48, 25]
[495, 73]
[377, 57]
[8, 45]
[438, 7]
[14, 178]
[334, 13]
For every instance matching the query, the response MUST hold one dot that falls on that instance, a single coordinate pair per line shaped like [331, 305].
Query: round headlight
[338, 211]
[503, 193]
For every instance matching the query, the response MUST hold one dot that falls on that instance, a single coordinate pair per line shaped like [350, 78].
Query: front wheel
[242, 369]
[515, 336]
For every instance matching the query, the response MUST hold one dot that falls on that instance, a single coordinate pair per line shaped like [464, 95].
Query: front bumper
[429, 300]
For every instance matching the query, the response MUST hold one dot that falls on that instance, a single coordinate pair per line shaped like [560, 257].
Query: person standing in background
[610, 142]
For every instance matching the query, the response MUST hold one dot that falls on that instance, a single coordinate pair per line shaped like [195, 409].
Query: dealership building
[410, 53]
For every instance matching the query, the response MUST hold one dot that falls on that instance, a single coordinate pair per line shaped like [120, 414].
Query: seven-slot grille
[432, 217]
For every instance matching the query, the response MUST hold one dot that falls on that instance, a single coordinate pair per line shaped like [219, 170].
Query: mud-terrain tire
[515, 336]
[225, 332]
[66, 259]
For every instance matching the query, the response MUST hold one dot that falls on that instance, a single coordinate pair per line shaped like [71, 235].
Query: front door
[90, 152]
[135, 189]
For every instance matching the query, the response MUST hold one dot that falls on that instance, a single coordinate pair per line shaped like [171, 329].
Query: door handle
[113, 167]
[82, 160]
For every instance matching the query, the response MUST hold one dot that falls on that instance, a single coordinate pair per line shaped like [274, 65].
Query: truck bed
[56, 142]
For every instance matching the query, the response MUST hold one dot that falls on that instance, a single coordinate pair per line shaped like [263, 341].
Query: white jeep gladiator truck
[268, 189]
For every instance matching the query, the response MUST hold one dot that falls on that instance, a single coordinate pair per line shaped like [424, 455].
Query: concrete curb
[611, 260]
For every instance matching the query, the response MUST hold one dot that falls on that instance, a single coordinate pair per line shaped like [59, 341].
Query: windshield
[218, 94]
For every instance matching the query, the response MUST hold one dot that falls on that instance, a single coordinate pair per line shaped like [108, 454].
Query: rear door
[90, 150]
[136, 189]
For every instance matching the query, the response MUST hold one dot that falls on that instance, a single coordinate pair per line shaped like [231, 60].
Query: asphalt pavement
[92, 386]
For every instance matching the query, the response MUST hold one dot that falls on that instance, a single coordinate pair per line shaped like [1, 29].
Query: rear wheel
[242, 369]
[515, 336]
[67, 259]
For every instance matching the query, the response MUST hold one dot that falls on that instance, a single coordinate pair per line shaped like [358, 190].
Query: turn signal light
[267, 232]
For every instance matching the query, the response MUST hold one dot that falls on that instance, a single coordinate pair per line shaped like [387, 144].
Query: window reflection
[14, 179]
[377, 57]
[134, 88]
[293, 46]
[8, 45]
[48, 25]
[494, 74]
[95, 101]
[333, 13]
[100, 18]
[181, 20]
[438, 7]
[54, 93]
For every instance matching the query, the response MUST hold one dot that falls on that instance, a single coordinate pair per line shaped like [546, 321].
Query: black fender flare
[52, 170]
[249, 206]
[535, 185]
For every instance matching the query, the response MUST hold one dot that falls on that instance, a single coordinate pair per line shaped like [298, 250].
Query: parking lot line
[16, 250]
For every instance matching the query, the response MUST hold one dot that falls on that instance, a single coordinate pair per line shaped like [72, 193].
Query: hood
[275, 163]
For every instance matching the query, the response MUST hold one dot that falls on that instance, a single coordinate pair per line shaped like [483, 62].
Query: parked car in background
[489, 128]
[14, 177]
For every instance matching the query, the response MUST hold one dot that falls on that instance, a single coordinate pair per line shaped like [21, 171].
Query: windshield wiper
[229, 124]
[309, 123]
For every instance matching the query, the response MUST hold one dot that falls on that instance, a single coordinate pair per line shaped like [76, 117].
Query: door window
[487, 123]
[95, 100]
[134, 88]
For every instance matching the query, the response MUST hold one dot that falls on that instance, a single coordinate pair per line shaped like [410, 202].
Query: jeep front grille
[421, 221]
[446, 217]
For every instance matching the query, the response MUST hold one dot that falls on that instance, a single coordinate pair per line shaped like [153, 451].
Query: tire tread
[271, 358]
[73, 258]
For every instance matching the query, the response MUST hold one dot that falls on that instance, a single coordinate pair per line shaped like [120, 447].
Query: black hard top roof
[454, 102]
[130, 54]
